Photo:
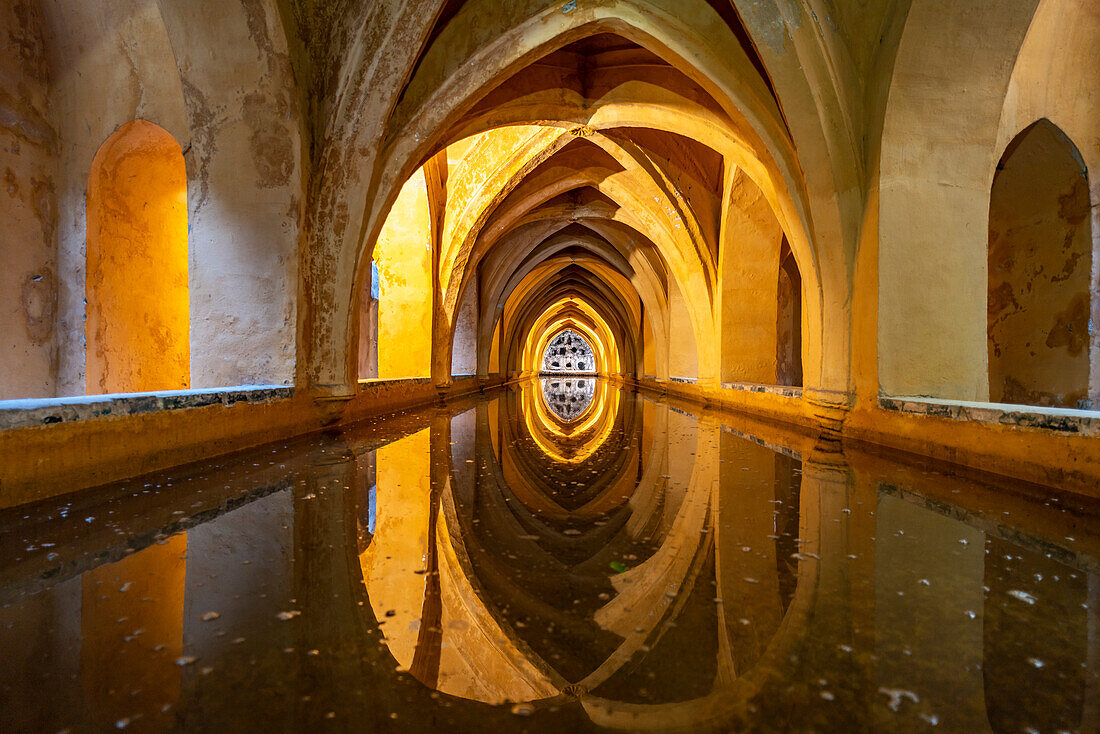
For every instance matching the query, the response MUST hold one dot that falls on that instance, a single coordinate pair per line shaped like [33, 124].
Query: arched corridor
[599, 357]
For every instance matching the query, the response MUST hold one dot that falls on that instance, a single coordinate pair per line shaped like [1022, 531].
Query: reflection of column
[1090, 719]
[129, 609]
[827, 476]
[685, 438]
[929, 573]
[324, 558]
[827, 491]
[861, 568]
[40, 637]
[748, 579]
[425, 664]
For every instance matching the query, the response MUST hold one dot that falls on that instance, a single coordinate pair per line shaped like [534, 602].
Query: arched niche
[1040, 272]
[137, 317]
[788, 358]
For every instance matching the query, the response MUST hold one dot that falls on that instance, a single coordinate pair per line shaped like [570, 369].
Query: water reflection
[568, 398]
[638, 567]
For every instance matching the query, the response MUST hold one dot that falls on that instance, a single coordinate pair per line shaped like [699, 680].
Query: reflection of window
[366, 508]
[568, 399]
[372, 495]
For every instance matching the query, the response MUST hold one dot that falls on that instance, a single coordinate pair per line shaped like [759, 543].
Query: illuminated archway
[401, 287]
[137, 315]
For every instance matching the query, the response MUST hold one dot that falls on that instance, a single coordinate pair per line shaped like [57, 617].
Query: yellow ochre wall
[404, 259]
[138, 315]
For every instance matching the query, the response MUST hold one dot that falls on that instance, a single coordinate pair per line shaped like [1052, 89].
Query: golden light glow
[137, 326]
[403, 257]
[568, 313]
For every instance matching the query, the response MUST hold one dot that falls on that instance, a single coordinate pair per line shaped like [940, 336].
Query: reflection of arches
[1040, 268]
[507, 570]
[137, 315]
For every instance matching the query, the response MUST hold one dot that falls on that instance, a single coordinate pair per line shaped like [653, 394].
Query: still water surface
[553, 558]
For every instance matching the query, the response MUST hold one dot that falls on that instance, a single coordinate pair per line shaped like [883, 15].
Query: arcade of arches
[836, 217]
[839, 217]
[637, 242]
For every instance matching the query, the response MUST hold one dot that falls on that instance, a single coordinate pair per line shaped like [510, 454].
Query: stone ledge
[375, 383]
[781, 390]
[48, 411]
[771, 446]
[1060, 420]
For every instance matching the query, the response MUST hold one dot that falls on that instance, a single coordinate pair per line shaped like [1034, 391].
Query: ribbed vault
[592, 176]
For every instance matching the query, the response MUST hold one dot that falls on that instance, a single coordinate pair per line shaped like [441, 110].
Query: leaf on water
[1022, 596]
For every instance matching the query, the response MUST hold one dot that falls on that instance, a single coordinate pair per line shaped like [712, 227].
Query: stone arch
[137, 322]
[418, 127]
[642, 197]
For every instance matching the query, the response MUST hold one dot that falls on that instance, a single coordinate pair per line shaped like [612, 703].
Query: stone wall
[28, 208]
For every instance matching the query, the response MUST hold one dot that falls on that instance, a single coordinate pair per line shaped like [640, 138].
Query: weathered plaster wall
[404, 259]
[136, 289]
[109, 63]
[1050, 81]
[953, 67]
[1040, 273]
[28, 209]
[245, 186]
[218, 79]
